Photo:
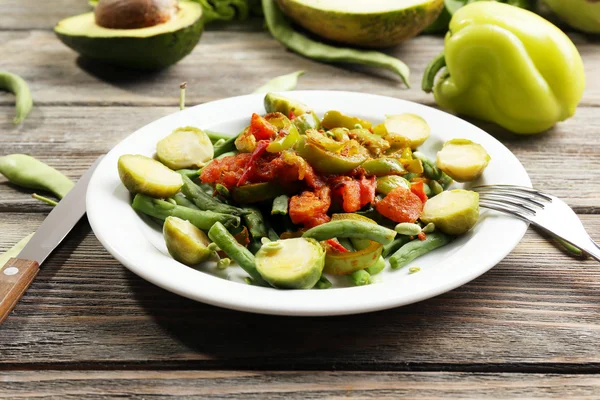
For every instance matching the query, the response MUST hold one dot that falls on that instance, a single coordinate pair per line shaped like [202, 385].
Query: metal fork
[543, 210]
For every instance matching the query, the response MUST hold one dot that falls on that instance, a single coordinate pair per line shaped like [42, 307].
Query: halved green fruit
[453, 212]
[373, 23]
[291, 263]
[148, 48]
[186, 243]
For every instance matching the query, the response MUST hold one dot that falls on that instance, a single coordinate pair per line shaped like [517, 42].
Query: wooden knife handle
[15, 278]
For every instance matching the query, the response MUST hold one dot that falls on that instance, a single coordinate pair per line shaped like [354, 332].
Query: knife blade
[19, 272]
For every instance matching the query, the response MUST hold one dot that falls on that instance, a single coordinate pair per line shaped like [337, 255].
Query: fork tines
[522, 202]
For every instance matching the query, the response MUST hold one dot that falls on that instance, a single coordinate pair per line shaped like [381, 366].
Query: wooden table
[88, 328]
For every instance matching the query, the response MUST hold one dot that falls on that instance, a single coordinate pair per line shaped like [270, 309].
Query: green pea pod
[26, 171]
[383, 166]
[15, 84]
[281, 83]
[301, 44]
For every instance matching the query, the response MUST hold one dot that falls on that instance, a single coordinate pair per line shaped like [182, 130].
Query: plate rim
[384, 303]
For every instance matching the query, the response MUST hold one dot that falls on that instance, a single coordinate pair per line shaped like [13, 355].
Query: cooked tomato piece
[310, 208]
[418, 188]
[367, 190]
[261, 148]
[261, 128]
[226, 171]
[337, 246]
[400, 205]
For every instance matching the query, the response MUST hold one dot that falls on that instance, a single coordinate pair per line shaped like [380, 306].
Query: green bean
[406, 228]
[351, 229]
[280, 205]
[238, 253]
[26, 171]
[44, 199]
[360, 277]
[228, 146]
[436, 188]
[181, 200]
[377, 267]
[393, 246]
[281, 83]
[347, 244]
[204, 201]
[301, 44]
[190, 173]
[322, 283]
[417, 248]
[215, 136]
[430, 170]
[162, 209]
[222, 190]
[272, 235]
[429, 228]
[426, 190]
[227, 154]
[445, 180]
[23, 100]
[255, 222]
[254, 246]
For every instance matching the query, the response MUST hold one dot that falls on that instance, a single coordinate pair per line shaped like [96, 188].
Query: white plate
[138, 243]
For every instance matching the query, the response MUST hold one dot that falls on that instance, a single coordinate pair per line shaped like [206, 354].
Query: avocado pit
[134, 14]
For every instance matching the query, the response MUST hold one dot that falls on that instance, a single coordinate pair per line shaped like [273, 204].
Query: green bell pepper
[509, 66]
[324, 161]
[287, 135]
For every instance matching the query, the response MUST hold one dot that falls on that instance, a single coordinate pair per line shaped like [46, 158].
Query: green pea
[15, 84]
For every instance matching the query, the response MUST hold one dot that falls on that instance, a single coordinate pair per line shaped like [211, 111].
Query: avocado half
[150, 48]
[374, 23]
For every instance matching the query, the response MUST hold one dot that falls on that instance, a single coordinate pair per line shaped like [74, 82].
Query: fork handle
[15, 278]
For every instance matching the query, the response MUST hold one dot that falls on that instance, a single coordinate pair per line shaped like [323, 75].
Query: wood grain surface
[88, 328]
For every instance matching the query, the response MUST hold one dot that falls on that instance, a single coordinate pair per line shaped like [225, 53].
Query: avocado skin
[143, 53]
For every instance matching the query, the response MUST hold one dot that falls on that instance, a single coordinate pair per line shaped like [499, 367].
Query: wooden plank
[565, 161]
[294, 385]
[224, 64]
[538, 310]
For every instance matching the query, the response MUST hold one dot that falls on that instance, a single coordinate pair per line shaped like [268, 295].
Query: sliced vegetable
[280, 205]
[386, 184]
[372, 142]
[453, 212]
[141, 174]
[462, 159]
[185, 147]
[400, 205]
[204, 201]
[383, 166]
[408, 129]
[287, 133]
[327, 162]
[300, 115]
[257, 192]
[360, 277]
[291, 263]
[335, 119]
[377, 267]
[186, 243]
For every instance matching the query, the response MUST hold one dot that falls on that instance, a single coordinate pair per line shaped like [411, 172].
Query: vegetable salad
[295, 197]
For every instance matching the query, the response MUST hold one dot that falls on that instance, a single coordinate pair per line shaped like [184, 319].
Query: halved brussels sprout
[141, 174]
[185, 148]
[406, 129]
[453, 212]
[186, 243]
[291, 263]
[386, 184]
[462, 159]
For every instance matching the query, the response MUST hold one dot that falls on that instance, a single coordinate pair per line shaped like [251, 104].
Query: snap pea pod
[301, 44]
[417, 248]
[360, 277]
[351, 229]
[347, 244]
[161, 209]
[435, 187]
[394, 245]
[445, 180]
[204, 201]
[377, 267]
[181, 200]
[23, 100]
[430, 170]
[26, 171]
[226, 147]
[216, 136]
[238, 253]
[280, 205]
[190, 173]
[255, 222]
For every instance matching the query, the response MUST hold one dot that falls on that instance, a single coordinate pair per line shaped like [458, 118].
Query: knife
[18, 273]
